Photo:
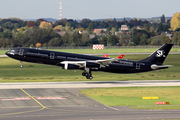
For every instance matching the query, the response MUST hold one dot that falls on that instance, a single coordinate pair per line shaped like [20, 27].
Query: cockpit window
[12, 51]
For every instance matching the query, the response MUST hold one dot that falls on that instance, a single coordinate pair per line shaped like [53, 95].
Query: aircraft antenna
[60, 8]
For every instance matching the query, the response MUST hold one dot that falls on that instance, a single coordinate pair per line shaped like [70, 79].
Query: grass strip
[132, 97]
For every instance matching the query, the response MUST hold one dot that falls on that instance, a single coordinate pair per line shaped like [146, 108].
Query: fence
[105, 47]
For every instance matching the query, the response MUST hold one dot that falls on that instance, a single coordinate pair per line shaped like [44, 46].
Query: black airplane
[71, 61]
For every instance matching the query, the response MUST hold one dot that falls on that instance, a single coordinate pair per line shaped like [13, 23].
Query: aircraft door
[21, 51]
[137, 65]
[52, 55]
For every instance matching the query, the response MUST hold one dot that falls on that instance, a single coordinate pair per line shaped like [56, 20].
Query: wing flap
[81, 64]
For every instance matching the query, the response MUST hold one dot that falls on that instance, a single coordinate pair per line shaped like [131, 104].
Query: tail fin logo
[160, 53]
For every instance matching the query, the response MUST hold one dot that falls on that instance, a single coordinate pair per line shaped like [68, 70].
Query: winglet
[106, 55]
[121, 56]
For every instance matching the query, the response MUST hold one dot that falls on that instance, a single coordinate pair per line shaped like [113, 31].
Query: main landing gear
[21, 64]
[87, 73]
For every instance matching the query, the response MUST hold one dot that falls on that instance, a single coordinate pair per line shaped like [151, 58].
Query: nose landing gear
[21, 64]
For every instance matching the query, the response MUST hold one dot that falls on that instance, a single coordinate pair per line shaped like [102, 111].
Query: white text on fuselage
[126, 63]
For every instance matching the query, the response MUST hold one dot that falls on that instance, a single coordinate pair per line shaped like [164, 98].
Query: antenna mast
[60, 8]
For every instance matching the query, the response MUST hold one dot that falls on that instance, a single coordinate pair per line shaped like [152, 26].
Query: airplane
[71, 61]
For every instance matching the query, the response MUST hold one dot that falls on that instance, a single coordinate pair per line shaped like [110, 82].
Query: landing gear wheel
[84, 74]
[88, 74]
[89, 77]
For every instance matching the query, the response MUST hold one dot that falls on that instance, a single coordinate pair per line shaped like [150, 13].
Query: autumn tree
[68, 27]
[45, 24]
[31, 24]
[175, 21]
[38, 45]
[176, 38]
[59, 28]
[38, 22]
[167, 40]
[81, 29]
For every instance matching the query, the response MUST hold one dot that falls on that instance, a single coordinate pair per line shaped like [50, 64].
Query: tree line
[15, 32]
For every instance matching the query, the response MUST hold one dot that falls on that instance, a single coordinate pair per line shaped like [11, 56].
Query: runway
[90, 84]
[62, 100]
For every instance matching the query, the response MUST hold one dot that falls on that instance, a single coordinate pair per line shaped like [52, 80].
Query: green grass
[90, 51]
[120, 50]
[10, 71]
[132, 97]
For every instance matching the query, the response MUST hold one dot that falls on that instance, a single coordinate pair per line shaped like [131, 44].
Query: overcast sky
[92, 9]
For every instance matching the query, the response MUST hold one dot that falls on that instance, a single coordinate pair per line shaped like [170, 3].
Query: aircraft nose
[7, 53]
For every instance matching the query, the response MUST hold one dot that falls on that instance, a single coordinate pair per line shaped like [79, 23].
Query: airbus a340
[71, 61]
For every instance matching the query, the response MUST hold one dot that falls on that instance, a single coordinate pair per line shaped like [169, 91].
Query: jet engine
[68, 66]
[92, 65]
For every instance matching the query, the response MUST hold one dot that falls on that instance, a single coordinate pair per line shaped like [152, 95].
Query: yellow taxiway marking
[43, 107]
[33, 98]
[21, 112]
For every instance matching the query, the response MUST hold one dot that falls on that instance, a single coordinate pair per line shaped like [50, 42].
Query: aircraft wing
[104, 62]
[83, 64]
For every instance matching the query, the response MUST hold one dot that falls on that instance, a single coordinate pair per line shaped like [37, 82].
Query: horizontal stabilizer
[155, 67]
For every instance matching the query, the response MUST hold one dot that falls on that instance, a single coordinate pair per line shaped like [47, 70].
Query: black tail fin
[159, 55]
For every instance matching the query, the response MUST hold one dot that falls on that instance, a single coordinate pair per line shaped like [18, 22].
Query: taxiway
[62, 100]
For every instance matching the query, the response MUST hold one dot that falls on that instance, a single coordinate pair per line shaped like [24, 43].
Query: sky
[92, 9]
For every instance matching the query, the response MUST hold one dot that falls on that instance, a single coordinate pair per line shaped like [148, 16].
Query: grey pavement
[91, 84]
[72, 105]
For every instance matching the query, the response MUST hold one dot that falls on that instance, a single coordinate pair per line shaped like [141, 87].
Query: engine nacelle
[92, 65]
[70, 66]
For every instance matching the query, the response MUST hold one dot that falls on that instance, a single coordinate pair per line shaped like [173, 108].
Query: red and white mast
[60, 8]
